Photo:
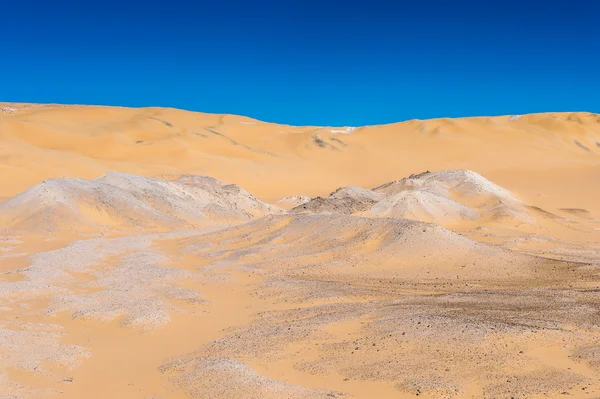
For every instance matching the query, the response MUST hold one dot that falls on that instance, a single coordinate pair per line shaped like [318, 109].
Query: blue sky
[306, 61]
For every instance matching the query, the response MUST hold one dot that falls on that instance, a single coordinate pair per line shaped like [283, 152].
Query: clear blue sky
[306, 61]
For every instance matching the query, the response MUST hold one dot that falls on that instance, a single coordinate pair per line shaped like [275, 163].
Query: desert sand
[165, 254]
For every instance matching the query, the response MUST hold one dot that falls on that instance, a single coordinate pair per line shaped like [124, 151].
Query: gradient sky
[318, 62]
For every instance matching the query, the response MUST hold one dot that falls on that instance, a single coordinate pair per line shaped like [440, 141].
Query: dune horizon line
[8, 104]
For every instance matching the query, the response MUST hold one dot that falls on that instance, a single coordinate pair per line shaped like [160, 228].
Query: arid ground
[164, 254]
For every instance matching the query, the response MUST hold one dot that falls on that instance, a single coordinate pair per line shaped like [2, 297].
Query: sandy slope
[126, 272]
[524, 154]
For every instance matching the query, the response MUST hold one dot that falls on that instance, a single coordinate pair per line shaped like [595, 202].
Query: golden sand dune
[464, 201]
[127, 272]
[274, 161]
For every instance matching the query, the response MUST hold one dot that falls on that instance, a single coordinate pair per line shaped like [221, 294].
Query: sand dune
[273, 161]
[449, 198]
[128, 269]
[453, 198]
[122, 201]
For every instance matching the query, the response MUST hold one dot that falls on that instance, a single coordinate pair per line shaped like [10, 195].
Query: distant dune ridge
[272, 161]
